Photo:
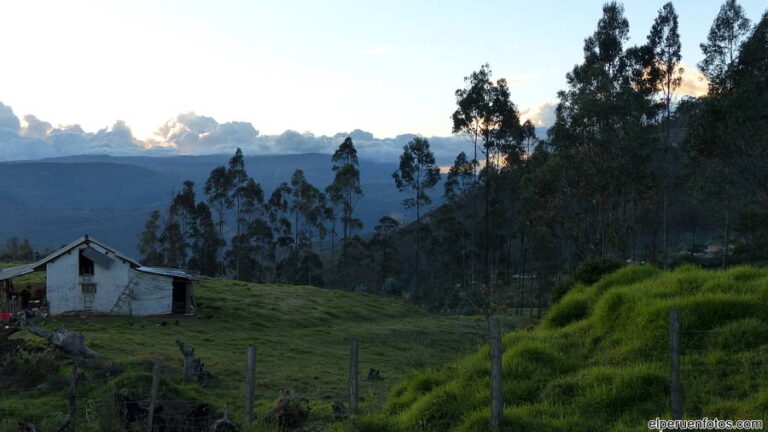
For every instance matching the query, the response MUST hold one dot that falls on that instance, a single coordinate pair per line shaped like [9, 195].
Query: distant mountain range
[53, 201]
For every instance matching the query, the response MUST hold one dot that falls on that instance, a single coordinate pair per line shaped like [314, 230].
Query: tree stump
[193, 367]
[71, 344]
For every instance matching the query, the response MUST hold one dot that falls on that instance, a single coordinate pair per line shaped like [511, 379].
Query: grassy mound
[301, 335]
[599, 361]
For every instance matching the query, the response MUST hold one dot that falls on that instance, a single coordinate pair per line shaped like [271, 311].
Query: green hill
[600, 360]
[301, 335]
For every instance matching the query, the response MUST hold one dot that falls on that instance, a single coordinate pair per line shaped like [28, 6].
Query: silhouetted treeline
[17, 250]
[629, 172]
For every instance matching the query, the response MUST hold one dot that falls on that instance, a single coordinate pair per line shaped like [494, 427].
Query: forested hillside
[52, 201]
[629, 173]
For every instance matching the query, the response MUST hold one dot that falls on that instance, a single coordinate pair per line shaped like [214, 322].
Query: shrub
[406, 393]
[572, 308]
[441, 408]
[560, 290]
[740, 335]
[590, 272]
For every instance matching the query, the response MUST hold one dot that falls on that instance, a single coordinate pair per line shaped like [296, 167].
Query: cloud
[193, 134]
[379, 49]
[39, 139]
[694, 83]
[8, 119]
[34, 127]
[540, 115]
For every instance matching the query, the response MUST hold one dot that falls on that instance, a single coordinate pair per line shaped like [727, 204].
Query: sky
[385, 67]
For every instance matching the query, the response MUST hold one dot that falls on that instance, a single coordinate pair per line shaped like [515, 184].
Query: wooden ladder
[124, 295]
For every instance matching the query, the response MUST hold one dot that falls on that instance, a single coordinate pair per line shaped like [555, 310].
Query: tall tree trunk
[693, 238]
[220, 248]
[418, 238]
[665, 183]
[665, 233]
[726, 238]
[521, 280]
[473, 261]
[487, 228]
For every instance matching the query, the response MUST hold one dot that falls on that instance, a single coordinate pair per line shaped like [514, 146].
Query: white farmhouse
[86, 276]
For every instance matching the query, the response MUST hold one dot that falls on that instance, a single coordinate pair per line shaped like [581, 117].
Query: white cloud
[194, 134]
[35, 127]
[694, 83]
[540, 115]
[8, 119]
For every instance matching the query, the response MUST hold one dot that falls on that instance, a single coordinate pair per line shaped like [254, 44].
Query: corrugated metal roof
[172, 272]
[12, 272]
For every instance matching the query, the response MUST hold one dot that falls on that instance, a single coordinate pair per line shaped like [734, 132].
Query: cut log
[290, 412]
[193, 367]
[225, 424]
[71, 344]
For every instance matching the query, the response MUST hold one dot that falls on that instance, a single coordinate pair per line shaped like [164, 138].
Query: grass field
[600, 361]
[301, 335]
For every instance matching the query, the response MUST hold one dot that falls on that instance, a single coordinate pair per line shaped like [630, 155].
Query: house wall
[63, 283]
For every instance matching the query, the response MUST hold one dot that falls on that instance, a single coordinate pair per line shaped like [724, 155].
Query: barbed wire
[694, 360]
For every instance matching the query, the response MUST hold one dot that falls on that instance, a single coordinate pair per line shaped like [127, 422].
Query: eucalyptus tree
[387, 261]
[600, 134]
[183, 206]
[667, 75]
[239, 179]
[344, 192]
[728, 31]
[417, 174]
[219, 187]
[714, 145]
[459, 178]
[278, 207]
[174, 248]
[486, 113]
[729, 129]
[205, 242]
[150, 245]
[458, 183]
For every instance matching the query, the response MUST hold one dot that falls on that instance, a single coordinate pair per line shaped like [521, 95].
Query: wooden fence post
[354, 375]
[250, 384]
[674, 353]
[153, 394]
[73, 399]
[497, 394]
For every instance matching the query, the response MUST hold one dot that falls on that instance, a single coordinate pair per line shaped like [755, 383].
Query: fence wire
[328, 402]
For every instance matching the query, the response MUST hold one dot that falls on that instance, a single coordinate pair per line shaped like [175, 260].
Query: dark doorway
[179, 296]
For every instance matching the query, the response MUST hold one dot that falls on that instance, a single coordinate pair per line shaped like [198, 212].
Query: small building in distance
[87, 276]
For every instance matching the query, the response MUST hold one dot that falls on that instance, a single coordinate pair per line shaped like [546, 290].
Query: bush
[392, 287]
[560, 290]
[406, 393]
[572, 308]
[441, 408]
[590, 272]
[740, 335]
